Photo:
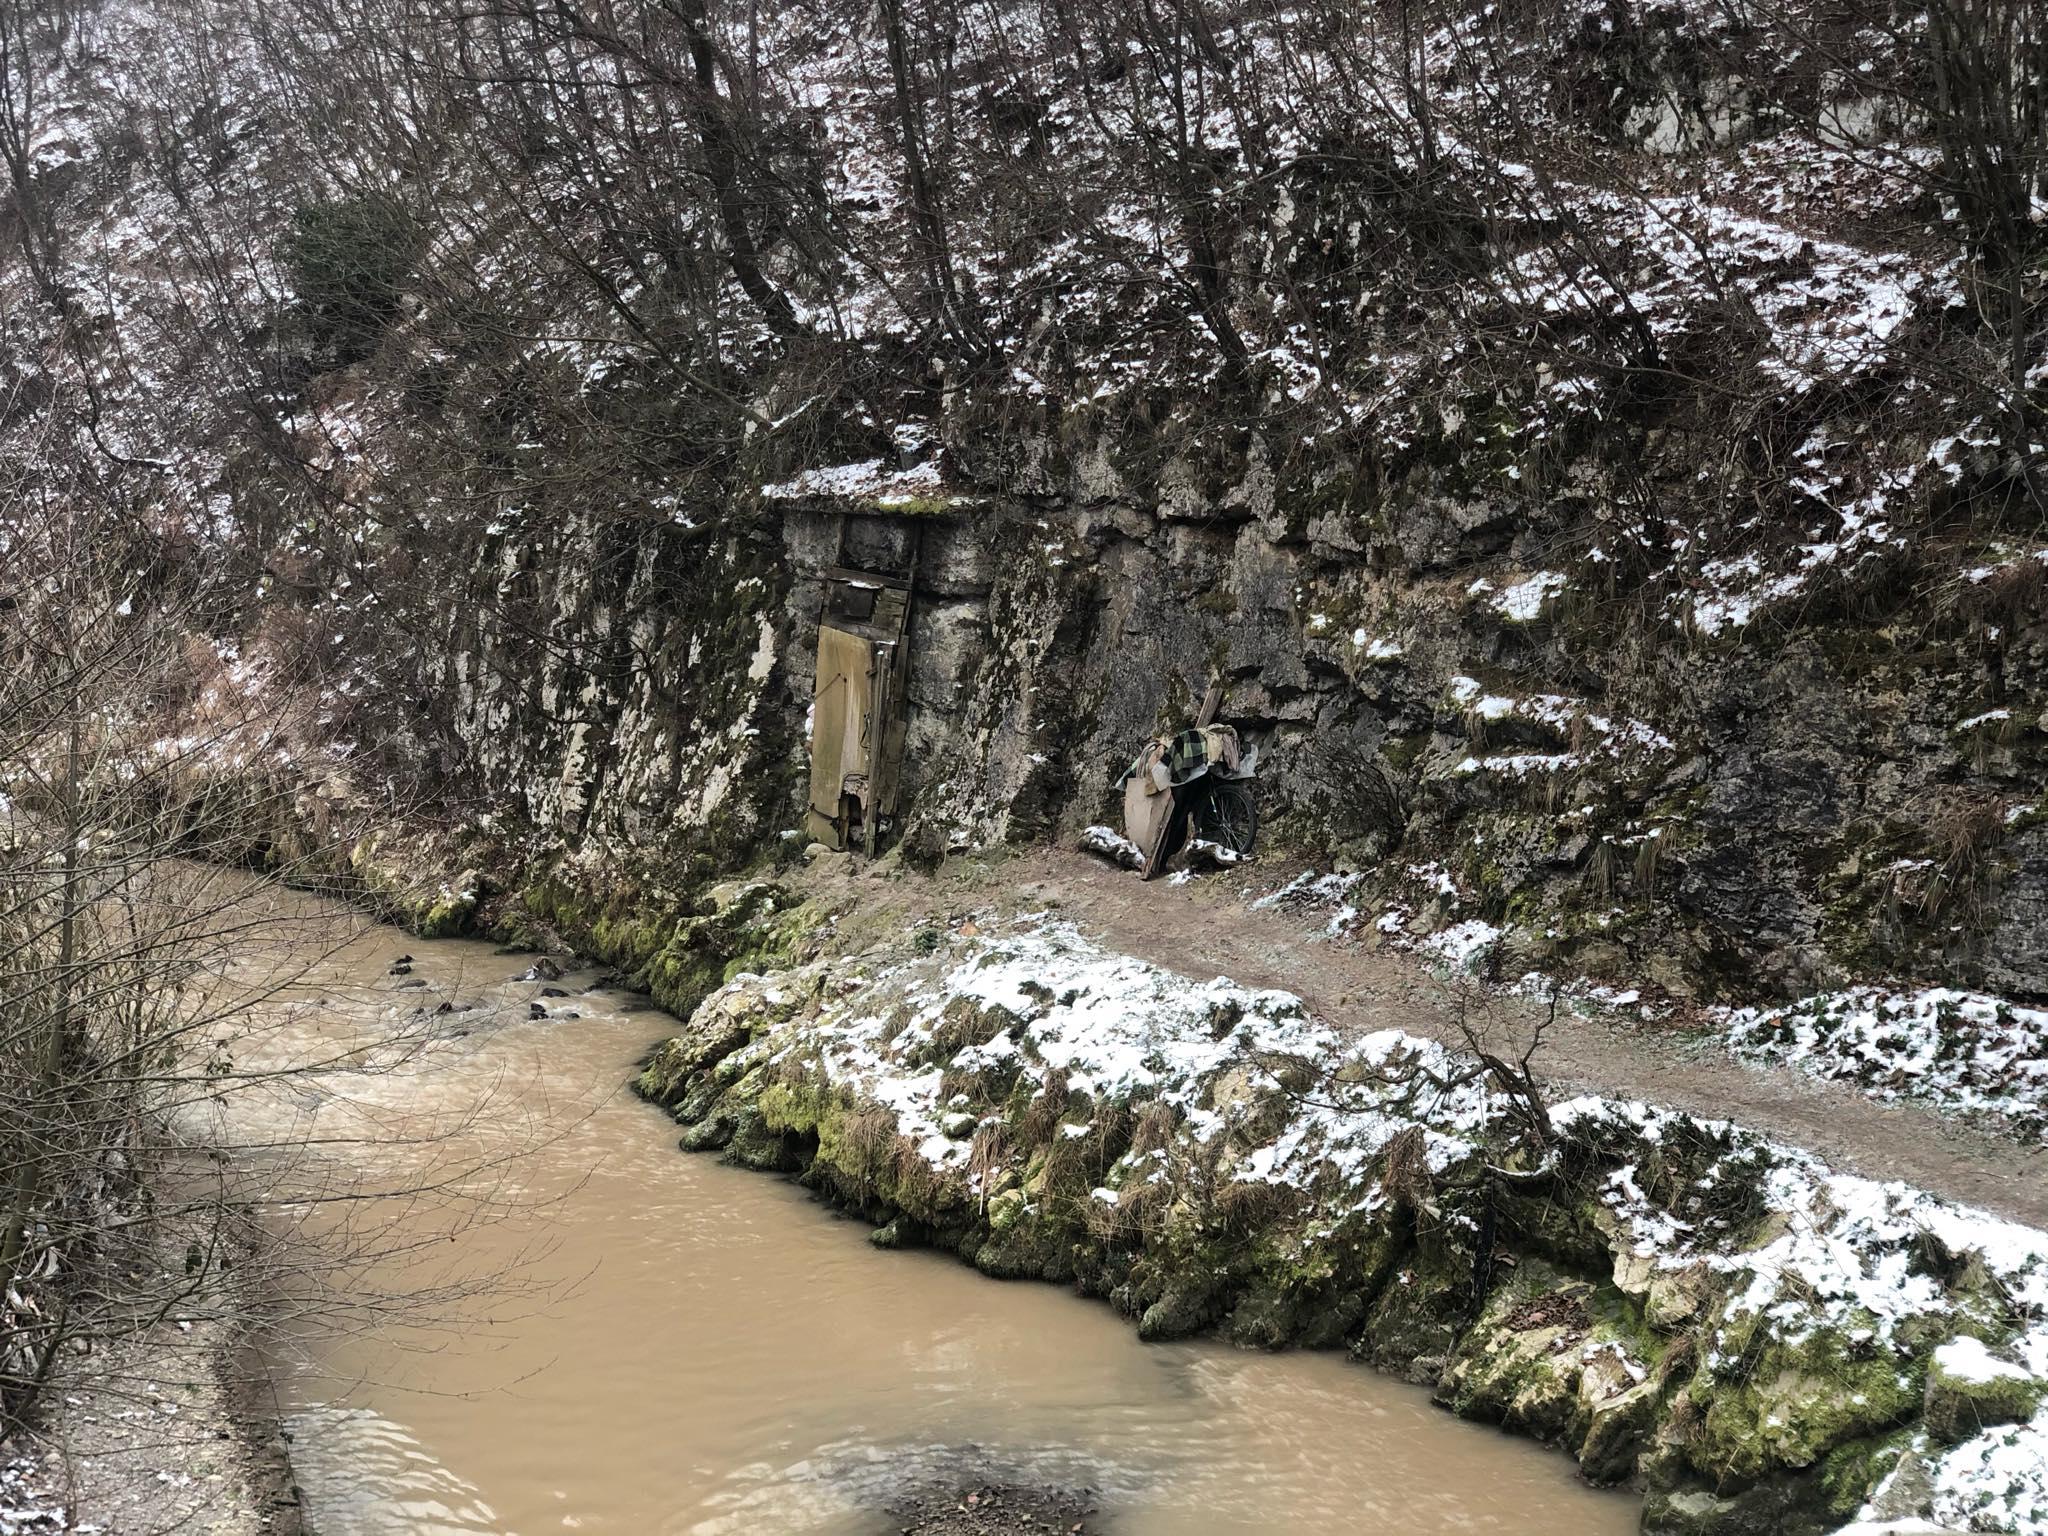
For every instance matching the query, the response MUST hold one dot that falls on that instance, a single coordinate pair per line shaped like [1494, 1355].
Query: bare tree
[153, 808]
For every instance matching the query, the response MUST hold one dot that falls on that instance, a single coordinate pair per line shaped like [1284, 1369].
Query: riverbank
[1721, 1319]
[1743, 1333]
[1646, 1045]
[173, 1428]
[1351, 975]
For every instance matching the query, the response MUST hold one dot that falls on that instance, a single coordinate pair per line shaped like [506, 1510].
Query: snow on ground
[1519, 765]
[1121, 1028]
[1463, 945]
[1996, 1482]
[1555, 712]
[1311, 892]
[1836, 1256]
[1108, 843]
[1523, 602]
[1117, 1026]
[1959, 1051]
[1850, 1259]
[2006, 562]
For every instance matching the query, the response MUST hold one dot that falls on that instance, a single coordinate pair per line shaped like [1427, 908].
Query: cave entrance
[857, 713]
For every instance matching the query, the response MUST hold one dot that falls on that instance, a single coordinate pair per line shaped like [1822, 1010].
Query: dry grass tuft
[1136, 1220]
[1647, 853]
[1407, 1177]
[955, 1080]
[1114, 1126]
[793, 1070]
[987, 1156]
[1070, 1167]
[1963, 828]
[1683, 1424]
[1599, 876]
[922, 1189]
[1110, 1225]
[1042, 1118]
[869, 1140]
[1153, 1127]
[1248, 1207]
[964, 1024]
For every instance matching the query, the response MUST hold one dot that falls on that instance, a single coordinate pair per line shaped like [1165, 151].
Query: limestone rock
[1618, 1406]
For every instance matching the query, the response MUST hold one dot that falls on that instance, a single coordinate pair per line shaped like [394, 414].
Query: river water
[550, 1319]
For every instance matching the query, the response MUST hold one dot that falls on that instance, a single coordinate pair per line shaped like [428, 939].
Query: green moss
[1311, 1292]
[1852, 1470]
[1402, 752]
[1031, 1245]
[1519, 1363]
[1420, 1314]
[451, 917]
[1617, 1318]
[757, 1145]
[805, 1107]
[1005, 1209]
[1779, 1404]
[672, 949]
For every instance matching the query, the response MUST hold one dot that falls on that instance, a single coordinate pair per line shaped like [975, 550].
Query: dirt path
[165, 1433]
[1205, 928]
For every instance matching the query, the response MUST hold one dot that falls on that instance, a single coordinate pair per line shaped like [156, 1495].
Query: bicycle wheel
[1231, 818]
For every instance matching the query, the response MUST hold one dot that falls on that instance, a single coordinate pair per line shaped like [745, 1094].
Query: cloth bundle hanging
[1171, 761]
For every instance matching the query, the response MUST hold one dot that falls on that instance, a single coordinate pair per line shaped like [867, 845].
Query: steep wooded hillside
[1596, 443]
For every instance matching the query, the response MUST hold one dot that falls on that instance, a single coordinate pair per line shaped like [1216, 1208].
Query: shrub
[349, 261]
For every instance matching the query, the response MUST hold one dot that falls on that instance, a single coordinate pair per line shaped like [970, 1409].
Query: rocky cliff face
[1849, 786]
[1836, 788]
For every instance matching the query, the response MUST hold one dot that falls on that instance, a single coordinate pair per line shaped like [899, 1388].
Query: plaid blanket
[1186, 757]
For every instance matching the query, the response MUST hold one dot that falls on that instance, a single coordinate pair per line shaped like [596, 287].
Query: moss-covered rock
[1775, 1403]
[1852, 1471]
[1027, 1245]
[1519, 1363]
[1970, 1389]
[1619, 1417]
[678, 947]
[1415, 1327]
[711, 1131]
[757, 1145]
[1192, 1302]
[453, 912]
[1315, 1290]
[710, 1035]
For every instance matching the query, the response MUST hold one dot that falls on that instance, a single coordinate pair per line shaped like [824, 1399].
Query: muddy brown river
[550, 1319]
